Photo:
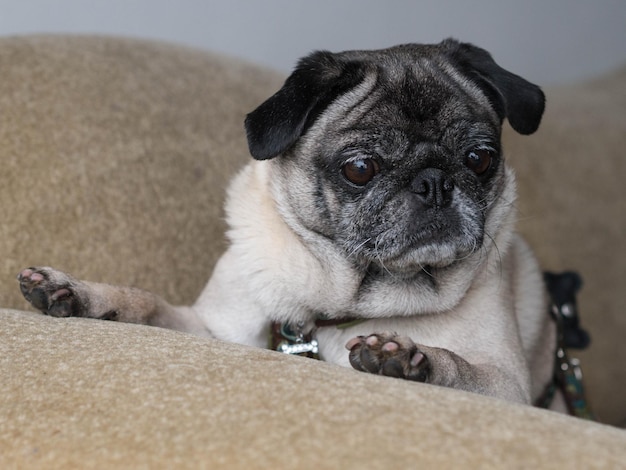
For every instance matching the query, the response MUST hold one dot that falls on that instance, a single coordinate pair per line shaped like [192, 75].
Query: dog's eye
[361, 171]
[479, 160]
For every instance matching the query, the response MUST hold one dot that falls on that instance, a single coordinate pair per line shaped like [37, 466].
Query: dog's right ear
[282, 119]
[513, 97]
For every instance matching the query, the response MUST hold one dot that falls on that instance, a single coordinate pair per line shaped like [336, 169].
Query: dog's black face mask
[394, 155]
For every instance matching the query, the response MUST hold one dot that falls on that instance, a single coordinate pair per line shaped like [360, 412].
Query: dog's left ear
[521, 102]
[282, 119]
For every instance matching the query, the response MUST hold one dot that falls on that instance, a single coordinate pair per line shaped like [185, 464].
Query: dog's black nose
[433, 187]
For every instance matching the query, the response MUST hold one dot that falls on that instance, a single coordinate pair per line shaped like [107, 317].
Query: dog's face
[394, 155]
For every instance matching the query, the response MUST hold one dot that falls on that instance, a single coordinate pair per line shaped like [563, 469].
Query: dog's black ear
[279, 122]
[521, 102]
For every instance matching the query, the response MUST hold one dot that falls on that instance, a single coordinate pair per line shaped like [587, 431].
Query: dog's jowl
[378, 197]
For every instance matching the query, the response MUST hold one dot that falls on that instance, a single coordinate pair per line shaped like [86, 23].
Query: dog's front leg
[58, 294]
[398, 356]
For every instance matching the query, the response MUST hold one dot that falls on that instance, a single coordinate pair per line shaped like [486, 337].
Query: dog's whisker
[498, 254]
[426, 271]
[378, 256]
[358, 247]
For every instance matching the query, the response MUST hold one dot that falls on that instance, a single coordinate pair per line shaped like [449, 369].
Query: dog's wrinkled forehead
[419, 98]
[414, 83]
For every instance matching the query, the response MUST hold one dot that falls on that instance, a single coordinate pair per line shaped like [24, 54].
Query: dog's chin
[423, 260]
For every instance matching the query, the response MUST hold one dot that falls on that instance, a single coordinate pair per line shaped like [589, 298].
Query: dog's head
[395, 155]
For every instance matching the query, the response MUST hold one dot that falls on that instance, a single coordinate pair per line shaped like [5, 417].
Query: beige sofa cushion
[84, 394]
[115, 155]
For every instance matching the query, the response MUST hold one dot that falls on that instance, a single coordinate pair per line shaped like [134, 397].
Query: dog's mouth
[424, 274]
[415, 258]
[414, 264]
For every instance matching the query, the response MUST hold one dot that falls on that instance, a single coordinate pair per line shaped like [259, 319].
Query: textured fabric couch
[114, 157]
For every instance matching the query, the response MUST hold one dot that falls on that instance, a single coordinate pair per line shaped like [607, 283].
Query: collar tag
[298, 348]
[291, 339]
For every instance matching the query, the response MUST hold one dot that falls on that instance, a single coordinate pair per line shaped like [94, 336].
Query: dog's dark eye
[479, 160]
[361, 171]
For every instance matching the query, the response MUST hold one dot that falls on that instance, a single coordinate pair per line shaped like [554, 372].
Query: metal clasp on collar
[569, 364]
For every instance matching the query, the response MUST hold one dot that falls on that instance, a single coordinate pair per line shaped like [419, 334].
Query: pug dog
[378, 191]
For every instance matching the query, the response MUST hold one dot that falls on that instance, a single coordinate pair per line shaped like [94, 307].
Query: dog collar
[296, 339]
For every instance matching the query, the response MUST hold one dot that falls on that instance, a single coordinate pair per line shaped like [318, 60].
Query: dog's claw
[390, 355]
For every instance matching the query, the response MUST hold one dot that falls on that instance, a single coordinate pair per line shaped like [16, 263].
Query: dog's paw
[389, 354]
[52, 292]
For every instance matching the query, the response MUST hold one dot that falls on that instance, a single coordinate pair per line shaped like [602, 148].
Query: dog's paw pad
[50, 291]
[390, 355]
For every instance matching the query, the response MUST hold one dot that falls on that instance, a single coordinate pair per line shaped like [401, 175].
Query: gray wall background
[547, 41]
